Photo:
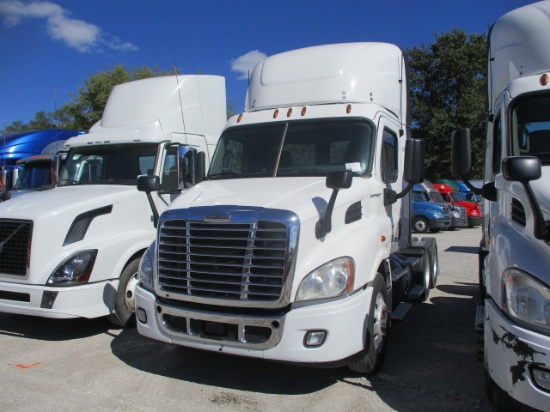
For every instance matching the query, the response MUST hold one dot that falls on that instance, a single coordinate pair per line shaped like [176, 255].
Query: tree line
[447, 83]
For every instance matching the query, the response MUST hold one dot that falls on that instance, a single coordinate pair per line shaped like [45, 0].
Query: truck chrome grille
[238, 261]
[445, 210]
[15, 244]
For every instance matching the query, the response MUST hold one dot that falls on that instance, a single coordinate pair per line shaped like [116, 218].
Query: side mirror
[336, 180]
[461, 161]
[339, 179]
[461, 153]
[414, 161]
[523, 169]
[148, 184]
[413, 172]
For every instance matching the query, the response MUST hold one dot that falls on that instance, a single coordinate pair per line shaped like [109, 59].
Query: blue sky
[48, 48]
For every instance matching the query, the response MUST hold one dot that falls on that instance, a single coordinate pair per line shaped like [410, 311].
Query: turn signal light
[544, 80]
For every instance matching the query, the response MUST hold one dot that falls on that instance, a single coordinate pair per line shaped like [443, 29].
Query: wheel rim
[129, 293]
[420, 226]
[380, 321]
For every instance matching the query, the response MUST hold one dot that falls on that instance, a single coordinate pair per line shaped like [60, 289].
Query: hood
[69, 200]
[306, 196]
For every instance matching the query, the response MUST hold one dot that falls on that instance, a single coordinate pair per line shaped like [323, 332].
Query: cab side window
[389, 159]
[497, 145]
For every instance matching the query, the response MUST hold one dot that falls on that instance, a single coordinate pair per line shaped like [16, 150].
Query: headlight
[332, 279]
[455, 213]
[75, 270]
[438, 215]
[526, 299]
[145, 271]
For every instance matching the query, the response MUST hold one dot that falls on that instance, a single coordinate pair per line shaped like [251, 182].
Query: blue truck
[18, 146]
[430, 212]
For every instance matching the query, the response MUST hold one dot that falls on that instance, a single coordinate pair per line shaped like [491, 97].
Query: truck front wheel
[125, 296]
[377, 331]
[420, 224]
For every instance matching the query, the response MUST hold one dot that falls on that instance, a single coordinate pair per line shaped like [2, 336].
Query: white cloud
[246, 63]
[78, 34]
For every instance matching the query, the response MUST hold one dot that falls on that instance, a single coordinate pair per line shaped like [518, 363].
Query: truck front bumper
[457, 223]
[342, 322]
[441, 224]
[517, 359]
[84, 301]
[475, 221]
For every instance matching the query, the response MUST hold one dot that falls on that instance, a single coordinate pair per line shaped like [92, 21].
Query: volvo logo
[220, 218]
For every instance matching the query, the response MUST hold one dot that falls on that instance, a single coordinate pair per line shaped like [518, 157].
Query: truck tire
[431, 248]
[425, 272]
[124, 314]
[377, 331]
[420, 224]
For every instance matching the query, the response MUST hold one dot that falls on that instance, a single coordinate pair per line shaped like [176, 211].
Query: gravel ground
[433, 362]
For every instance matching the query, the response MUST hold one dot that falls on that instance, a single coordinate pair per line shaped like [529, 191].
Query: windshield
[436, 197]
[531, 127]
[300, 148]
[35, 175]
[456, 197]
[108, 164]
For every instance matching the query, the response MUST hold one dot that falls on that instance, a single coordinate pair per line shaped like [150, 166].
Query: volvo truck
[73, 251]
[297, 246]
[514, 254]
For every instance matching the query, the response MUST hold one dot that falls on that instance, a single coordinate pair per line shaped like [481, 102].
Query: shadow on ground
[32, 327]
[432, 361]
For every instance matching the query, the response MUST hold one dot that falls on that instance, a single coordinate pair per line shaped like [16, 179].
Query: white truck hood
[306, 196]
[65, 200]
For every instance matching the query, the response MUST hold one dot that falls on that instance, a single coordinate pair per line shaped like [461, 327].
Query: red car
[451, 196]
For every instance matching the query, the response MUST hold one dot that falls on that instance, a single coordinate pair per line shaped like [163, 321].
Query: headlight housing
[145, 271]
[526, 299]
[334, 278]
[74, 270]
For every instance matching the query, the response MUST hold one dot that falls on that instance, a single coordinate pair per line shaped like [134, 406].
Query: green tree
[41, 121]
[448, 83]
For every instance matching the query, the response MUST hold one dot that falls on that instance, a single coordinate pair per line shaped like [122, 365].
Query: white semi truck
[299, 239]
[73, 251]
[514, 254]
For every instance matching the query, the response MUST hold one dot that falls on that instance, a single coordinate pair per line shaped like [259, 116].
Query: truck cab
[430, 212]
[297, 246]
[73, 251]
[25, 145]
[467, 193]
[452, 197]
[514, 253]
